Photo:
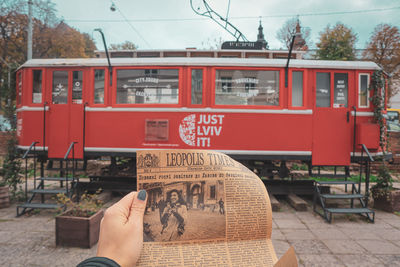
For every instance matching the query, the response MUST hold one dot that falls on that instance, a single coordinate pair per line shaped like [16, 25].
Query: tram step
[49, 191]
[336, 182]
[349, 210]
[342, 196]
[55, 179]
[40, 206]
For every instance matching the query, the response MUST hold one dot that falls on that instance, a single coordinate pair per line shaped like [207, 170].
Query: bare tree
[287, 31]
[384, 49]
[127, 45]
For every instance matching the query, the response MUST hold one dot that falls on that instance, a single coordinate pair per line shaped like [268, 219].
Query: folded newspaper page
[204, 209]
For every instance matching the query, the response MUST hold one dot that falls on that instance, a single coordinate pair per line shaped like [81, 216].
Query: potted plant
[79, 225]
[385, 196]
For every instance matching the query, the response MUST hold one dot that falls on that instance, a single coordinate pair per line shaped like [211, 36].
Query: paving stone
[361, 233]
[300, 234]
[325, 260]
[309, 246]
[357, 260]
[344, 247]
[390, 260]
[322, 224]
[277, 234]
[394, 222]
[333, 233]
[280, 246]
[379, 246]
[388, 234]
[284, 215]
[291, 224]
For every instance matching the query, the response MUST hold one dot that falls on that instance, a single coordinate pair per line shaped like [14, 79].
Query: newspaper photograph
[183, 210]
[203, 209]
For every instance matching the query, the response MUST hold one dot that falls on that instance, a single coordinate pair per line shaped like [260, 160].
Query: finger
[138, 207]
[124, 205]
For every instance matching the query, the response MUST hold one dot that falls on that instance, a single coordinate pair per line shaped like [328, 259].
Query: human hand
[121, 230]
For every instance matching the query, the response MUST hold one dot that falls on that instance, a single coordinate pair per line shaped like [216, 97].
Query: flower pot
[4, 197]
[78, 231]
[386, 200]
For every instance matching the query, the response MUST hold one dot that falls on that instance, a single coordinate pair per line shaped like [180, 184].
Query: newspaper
[204, 209]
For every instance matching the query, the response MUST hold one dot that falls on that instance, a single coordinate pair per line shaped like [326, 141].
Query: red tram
[239, 106]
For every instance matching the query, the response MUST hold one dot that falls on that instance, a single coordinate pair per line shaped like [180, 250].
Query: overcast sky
[172, 24]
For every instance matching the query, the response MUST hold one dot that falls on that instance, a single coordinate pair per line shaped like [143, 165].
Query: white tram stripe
[26, 108]
[234, 152]
[362, 114]
[38, 148]
[210, 110]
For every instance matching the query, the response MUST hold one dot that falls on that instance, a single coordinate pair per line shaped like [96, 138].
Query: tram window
[99, 86]
[77, 87]
[247, 87]
[37, 86]
[323, 96]
[148, 86]
[340, 90]
[363, 90]
[297, 89]
[197, 87]
[60, 87]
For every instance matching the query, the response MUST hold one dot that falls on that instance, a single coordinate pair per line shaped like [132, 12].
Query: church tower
[260, 37]
[299, 42]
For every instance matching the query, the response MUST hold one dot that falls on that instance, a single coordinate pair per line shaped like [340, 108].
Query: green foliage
[88, 205]
[302, 167]
[12, 168]
[384, 181]
[337, 43]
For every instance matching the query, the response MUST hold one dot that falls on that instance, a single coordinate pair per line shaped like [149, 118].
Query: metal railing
[70, 148]
[367, 170]
[31, 148]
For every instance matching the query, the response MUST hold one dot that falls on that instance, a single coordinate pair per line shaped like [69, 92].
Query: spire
[260, 37]
[299, 42]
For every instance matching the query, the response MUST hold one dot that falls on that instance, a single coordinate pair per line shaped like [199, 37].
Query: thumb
[138, 207]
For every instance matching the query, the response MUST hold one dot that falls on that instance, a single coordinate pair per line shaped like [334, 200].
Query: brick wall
[394, 141]
[4, 137]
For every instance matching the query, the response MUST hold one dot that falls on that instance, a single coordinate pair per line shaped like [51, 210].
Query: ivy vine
[384, 179]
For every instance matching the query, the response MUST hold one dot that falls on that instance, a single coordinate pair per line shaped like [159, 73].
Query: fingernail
[142, 195]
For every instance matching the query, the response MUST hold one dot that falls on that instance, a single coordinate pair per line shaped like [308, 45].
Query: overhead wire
[129, 23]
[243, 17]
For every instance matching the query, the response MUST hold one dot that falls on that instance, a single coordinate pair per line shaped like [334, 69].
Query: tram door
[331, 120]
[65, 123]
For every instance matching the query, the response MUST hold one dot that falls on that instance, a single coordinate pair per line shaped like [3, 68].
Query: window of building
[340, 90]
[37, 86]
[60, 87]
[77, 87]
[323, 95]
[212, 192]
[99, 80]
[363, 85]
[148, 86]
[197, 87]
[247, 87]
[297, 89]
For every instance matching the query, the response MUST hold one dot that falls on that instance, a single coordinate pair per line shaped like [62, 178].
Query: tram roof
[195, 61]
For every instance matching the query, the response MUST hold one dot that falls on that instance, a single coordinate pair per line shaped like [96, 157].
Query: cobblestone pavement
[348, 241]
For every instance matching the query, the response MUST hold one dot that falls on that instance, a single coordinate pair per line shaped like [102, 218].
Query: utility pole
[30, 3]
